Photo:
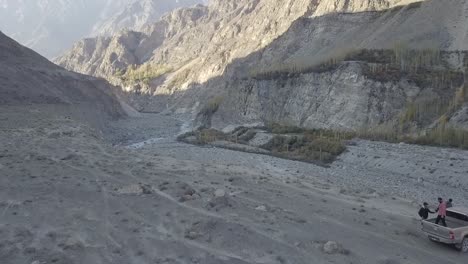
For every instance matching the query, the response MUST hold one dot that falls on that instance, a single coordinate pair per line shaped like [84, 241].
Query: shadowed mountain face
[51, 26]
[26, 79]
[195, 54]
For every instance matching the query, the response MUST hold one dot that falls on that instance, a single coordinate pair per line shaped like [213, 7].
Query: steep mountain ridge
[220, 52]
[353, 6]
[51, 27]
[28, 79]
[137, 15]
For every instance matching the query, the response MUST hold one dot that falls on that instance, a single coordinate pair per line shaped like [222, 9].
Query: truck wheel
[463, 246]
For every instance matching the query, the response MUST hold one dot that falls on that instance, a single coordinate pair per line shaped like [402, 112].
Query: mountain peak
[36, 23]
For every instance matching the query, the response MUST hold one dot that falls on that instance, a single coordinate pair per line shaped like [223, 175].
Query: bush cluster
[142, 74]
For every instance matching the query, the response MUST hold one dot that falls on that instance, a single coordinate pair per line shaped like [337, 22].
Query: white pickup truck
[456, 232]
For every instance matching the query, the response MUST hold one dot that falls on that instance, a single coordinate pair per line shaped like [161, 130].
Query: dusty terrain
[69, 195]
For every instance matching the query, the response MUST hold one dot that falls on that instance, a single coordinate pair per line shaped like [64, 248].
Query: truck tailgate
[434, 231]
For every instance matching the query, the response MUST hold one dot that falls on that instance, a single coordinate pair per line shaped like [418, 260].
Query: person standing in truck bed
[442, 212]
[449, 203]
[424, 211]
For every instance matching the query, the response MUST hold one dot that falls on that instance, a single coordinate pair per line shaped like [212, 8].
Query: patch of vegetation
[277, 128]
[211, 106]
[444, 135]
[424, 113]
[295, 69]
[310, 145]
[142, 74]
[243, 135]
[313, 145]
[424, 67]
[202, 136]
[461, 96]
[209, 109]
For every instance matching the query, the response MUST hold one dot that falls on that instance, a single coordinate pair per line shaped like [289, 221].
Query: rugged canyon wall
[198, 55]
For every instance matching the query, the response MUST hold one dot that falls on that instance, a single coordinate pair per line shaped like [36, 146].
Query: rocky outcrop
[340, 99]
[354, 6]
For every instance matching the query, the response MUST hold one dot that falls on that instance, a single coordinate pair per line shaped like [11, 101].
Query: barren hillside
[26, 79]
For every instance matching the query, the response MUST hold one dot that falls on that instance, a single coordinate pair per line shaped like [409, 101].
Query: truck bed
[451, 223]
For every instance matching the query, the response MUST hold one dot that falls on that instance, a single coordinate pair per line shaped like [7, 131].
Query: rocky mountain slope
[138, 14]
[292, 62]
[27, 79]
[50, 27]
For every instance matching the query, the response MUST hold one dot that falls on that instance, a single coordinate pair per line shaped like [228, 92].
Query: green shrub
[277, 128]
[247, 136]
[294, 69]
[443, 135]
[211, 106]
[144, 73]
[186, 135]
[202, 136]
[210, 135]
[315, 145]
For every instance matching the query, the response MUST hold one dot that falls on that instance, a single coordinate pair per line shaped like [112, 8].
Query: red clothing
[442, 209]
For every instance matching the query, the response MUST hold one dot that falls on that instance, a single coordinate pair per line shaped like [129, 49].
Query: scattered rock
[137, 189]
[69, 157]
[146, 188]
[186, 198]
[331, 247]
[191, 235]
[220, 193]
[218, 203]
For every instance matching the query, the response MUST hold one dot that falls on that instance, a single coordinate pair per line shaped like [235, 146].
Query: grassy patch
[142, 74]
[446, 136]
[202, 136]
[424, 67]
[294, 69]
[316, 145]
[277, 128]
[443, 135]
[211, 106]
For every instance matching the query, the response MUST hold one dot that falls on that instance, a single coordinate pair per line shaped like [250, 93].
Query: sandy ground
[68, 196]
